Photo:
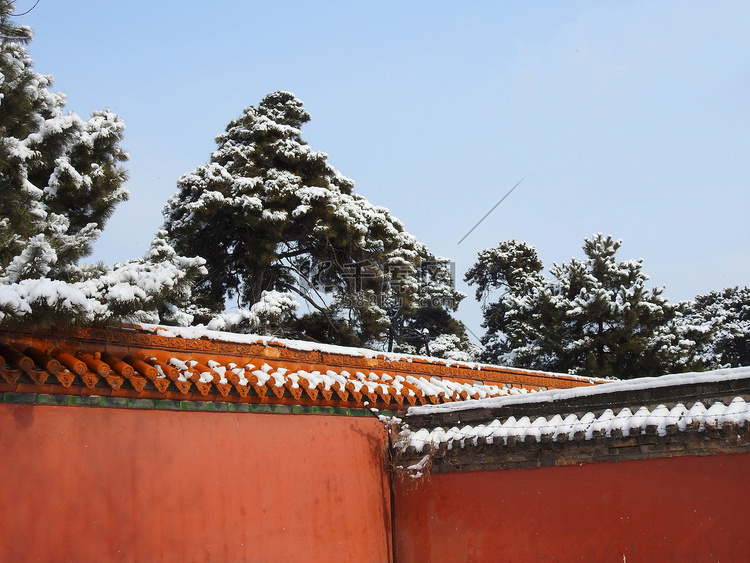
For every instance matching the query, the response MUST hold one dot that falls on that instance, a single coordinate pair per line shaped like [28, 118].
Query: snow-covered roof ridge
[619, 386]
[659, 421]
[681, 414]
[163, 362]
[201, 333]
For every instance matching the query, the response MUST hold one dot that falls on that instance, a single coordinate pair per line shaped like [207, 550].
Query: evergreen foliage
[593, 317]
[431, 328]
[718, 328]
[269, 214]
[60, 180]
[61, 176]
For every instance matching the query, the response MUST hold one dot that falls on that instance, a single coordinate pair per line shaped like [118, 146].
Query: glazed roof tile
[548, 422]
[163, 362]
[660, 421]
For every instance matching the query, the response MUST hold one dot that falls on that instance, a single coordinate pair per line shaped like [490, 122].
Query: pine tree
[269, 214]
[430, 328]
[61, 176]
[513, 268]
[60, 180]
[713, 330]
[594, 317]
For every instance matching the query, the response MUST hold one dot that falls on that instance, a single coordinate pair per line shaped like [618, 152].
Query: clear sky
[630, 118]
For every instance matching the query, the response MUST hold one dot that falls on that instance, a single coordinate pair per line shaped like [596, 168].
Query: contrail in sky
[493, 209]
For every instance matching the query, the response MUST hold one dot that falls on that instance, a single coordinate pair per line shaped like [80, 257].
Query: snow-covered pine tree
[512, 271]
[268, 213]
[613, 316]
[61, 179]
[594, 317]
[713, 330]
[437, 299]
[61, 175]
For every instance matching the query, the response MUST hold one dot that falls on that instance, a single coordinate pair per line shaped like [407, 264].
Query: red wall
[106, 484]
[679, 509]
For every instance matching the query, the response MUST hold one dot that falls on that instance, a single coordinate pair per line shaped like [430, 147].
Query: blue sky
[630, 118]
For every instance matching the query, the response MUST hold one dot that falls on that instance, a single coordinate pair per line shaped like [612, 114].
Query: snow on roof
[559, 428]
[486, 372]
[200, 332]
[553, 395]
[624, 409]
[197, 364]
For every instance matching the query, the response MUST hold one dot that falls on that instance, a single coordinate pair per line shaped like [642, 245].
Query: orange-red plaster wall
[688, 509]
[105, 484]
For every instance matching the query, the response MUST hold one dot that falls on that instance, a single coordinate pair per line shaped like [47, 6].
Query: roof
[684, 414]
[157, 362]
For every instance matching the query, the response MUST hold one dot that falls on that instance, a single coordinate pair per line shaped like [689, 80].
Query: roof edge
[200, 340]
